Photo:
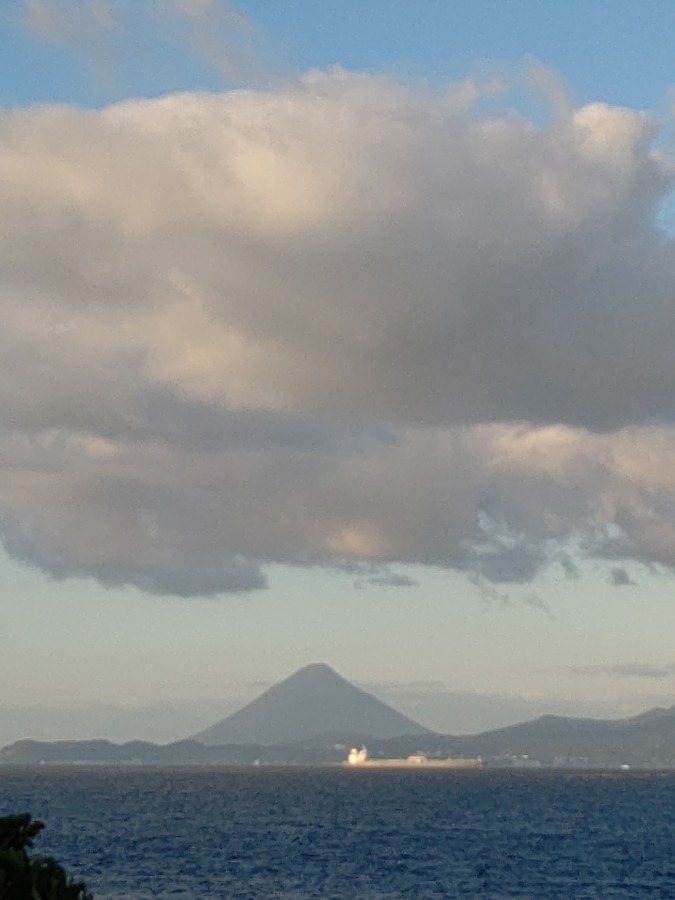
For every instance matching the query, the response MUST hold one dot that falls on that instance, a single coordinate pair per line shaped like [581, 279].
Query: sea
[136, 833]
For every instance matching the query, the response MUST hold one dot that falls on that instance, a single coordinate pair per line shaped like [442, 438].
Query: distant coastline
[315, 716]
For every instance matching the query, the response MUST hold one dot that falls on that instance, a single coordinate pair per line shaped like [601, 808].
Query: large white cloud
[338, 321]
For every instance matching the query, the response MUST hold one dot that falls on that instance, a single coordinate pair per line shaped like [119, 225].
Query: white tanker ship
[361, 760]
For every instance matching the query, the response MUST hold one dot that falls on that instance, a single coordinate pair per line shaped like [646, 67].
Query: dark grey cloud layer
[338, 322]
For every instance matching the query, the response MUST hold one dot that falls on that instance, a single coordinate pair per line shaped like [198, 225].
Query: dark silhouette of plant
[26, 877]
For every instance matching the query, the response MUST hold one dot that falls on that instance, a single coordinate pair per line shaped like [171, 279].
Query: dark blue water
[202, 834]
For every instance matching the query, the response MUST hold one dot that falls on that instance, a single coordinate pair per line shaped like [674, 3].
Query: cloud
[69, 22]
[216, 33]
[619, 577]
[626, 670]
[88, 28]
[534, 601]
[105, 34]
[569, 567]
[337, 322]
[385, 578]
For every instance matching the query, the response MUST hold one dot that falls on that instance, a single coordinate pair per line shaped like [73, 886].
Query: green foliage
[26, 877]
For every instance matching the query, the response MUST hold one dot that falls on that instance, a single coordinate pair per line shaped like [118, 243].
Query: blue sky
[608, 51]
[368, 366]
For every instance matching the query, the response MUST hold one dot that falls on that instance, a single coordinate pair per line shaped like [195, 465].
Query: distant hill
[180, 753]
[646, 741]
[312, 703]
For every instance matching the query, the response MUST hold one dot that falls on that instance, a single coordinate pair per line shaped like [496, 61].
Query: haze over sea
[302, 833]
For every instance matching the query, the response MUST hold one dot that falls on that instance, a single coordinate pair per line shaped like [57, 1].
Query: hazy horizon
[429, 704]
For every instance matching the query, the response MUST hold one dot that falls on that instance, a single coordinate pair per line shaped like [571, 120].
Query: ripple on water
[204, 833]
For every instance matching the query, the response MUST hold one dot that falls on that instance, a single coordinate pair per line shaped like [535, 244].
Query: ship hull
[416, 764]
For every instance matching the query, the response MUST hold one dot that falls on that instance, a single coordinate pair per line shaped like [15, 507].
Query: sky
[335, 332]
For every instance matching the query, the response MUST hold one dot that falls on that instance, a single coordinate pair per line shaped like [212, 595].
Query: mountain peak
[315, 670]
[313, 701]
[314, 674]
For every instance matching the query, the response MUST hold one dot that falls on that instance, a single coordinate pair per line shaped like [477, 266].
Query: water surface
[135, 833]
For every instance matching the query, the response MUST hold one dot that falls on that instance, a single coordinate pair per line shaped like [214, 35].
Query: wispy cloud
[88, 28]
[569, 567]
[385, 578]
[104, 33]
[619, 577]
[626, 670]
[218, 34]
[71, 23]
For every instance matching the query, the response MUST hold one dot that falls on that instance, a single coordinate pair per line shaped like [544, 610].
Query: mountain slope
[313, 701]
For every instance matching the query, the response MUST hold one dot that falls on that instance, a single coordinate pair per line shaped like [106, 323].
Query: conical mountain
[314, 701]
